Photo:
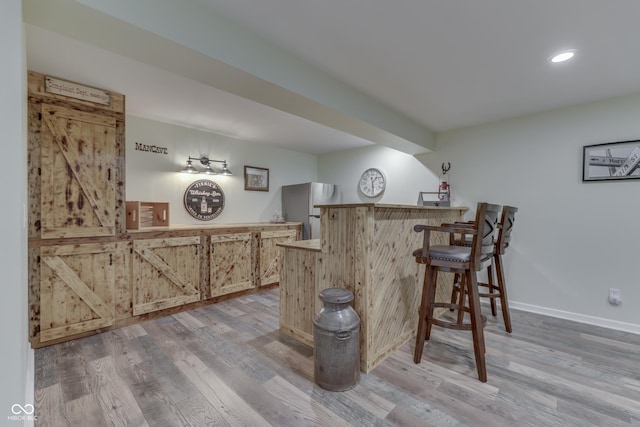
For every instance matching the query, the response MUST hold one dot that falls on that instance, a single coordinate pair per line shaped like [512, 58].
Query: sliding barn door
[78, 195]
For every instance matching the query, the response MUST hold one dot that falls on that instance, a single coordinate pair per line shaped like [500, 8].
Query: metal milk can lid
[336, 295]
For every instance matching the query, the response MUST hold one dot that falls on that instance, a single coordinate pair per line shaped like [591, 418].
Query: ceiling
[441, 64]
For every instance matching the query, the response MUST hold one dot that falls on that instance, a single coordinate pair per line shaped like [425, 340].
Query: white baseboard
[582, 318]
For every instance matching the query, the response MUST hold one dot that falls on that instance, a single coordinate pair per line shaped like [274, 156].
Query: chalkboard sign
[204, 200]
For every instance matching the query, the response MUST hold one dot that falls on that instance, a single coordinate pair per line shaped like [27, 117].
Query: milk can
[336, 337]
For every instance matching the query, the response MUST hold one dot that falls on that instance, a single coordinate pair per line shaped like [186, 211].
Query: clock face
[372, 182]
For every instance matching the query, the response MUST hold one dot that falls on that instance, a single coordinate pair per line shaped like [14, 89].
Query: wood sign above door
[77, 91]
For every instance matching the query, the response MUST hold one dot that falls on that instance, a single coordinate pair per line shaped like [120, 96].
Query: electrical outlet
[615, 297]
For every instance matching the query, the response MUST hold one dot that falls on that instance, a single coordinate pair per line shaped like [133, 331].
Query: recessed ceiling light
[563, 56]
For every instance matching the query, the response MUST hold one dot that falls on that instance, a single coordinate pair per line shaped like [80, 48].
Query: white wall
[17, 357]
[406, 176]
[154, 177]
[573, 240]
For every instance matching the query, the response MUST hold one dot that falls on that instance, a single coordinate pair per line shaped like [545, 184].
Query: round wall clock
[204, 200]
[372, 182]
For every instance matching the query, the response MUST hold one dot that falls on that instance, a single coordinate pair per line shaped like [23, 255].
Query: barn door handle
[196, 250]
[110, 259]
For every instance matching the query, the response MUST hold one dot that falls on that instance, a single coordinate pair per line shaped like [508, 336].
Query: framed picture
[256, 179]
[611, 161]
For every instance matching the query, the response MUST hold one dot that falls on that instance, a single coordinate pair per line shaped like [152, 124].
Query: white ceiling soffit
[162, 96]
[166, 81]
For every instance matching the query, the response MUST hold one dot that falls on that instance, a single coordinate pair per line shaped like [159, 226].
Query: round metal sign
[204, 200]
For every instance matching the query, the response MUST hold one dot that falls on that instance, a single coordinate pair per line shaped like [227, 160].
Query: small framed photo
[611, 161]
[256, 179]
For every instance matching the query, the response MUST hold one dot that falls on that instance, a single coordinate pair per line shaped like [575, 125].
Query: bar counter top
[394, 206]
[309, 245]
[216, 226]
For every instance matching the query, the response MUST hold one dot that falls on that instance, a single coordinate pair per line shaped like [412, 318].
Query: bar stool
[495, 291]
[465, 260]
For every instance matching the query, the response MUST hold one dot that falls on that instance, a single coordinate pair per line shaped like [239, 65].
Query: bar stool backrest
[483, 244]
[505, 228]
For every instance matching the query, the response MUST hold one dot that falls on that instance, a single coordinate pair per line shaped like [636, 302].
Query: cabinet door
[78, 196]
[268, 258]
[76, 289]
[231, 263]
[166, 273]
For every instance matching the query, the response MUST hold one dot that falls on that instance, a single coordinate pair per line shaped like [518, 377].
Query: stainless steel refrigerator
[298, 203]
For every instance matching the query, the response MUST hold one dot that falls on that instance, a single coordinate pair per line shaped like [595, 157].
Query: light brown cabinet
[232, 263]
[246, 260]
[83, 288]
[268, 257]
[166, 273]
[75, 182]
[77, 288]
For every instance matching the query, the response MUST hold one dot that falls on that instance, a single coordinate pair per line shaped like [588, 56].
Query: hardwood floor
[227, 365]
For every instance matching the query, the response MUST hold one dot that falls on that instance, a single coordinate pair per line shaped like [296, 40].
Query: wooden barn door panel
[76, 289]
[269, 254]
[78, 196]
[231, 263]
[166, 273]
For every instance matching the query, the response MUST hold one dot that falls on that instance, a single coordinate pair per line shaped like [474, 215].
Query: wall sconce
[206, 162]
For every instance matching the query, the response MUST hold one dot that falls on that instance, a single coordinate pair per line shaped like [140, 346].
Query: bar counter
[365, 248]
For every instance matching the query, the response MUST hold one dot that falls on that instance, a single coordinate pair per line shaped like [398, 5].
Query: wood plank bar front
[365, 248]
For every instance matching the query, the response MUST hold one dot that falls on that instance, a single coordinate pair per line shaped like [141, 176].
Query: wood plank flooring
[227, 365]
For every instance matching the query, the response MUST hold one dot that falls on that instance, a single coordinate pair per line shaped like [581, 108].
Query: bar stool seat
[447, 253]
[466, 261]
